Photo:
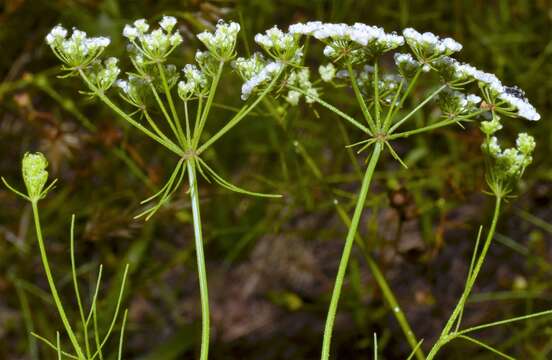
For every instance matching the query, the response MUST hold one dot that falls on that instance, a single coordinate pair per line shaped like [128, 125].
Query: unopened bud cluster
[35, 176]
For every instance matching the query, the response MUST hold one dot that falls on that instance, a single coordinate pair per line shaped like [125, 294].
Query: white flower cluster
[428, 46]
[103, 76]
[133, 90]
[248, 67]
[301, 80]
[359, 33]
[451, 70]
[157, 44]
[406, 64]
[222, 42]
[327, 72]
[521, 104]
[195, 84]
[339, 38]
[454, 103]
[513, 97]
[78, 50]
[280, 45]
[259, 78]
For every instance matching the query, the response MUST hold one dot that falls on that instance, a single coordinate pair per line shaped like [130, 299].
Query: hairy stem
[347, 251]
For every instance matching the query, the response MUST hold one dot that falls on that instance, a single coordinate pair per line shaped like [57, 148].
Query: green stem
[360, 99]
[207, 107]
[166, 114]
[386, 290]
[408, 91]
[238, 117]
[437, 125]
[347, 251]
[393, 303]
[52, 284]
[401, 121]
[169, 145]
[202, 273]
[445, 334]
[338, 112]
[181, 137]
[376, 93]
[387, 121]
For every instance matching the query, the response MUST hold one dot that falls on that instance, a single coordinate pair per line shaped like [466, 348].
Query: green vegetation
[384, 183]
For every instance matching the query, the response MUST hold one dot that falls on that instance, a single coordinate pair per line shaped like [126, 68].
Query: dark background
[271, 263]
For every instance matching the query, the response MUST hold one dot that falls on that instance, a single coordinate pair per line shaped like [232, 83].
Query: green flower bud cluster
[35, 176]
[301, 80]
[103, 76]
[506, 166]
[196, 84]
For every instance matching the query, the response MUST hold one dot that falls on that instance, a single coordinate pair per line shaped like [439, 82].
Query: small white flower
[524, 108]
[473, 99]
[327, 72]
[293, 97]
[141, 25]
[493, 146]
[305, 29]
[429, 45]
[264, 75]
[123, 85]
[130, 32]
[525, 143]
[167, 23]
[57, 34]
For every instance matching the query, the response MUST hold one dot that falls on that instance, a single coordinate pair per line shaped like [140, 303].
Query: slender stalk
[386, 291]
[207, 107]
[338, 112]
[445, 334]
[387, 121]
[401, 121]
[408, 91]
[330, 319]
[360, 99]
[436, 125]
[52, 284]
[376, 94]
[181, 137]
[166, 114]
[76, 287]
[238, 117]
[169, 145]
[397, 312]
[201, 270]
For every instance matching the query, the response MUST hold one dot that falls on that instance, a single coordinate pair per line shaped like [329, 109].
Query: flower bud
[35, 175]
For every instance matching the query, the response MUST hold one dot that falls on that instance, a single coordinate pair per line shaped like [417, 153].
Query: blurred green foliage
[271, 263]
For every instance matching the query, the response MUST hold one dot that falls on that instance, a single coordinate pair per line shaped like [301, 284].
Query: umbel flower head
[78, 50]
[505, 167]
[35, 176]
[281, 46]
[156, 45]
[222, 42]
